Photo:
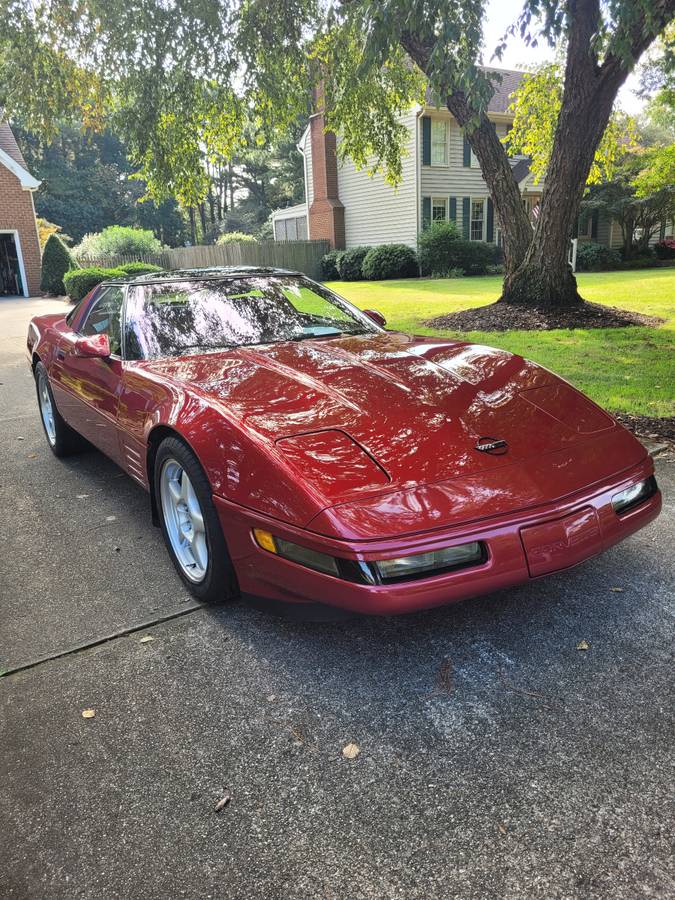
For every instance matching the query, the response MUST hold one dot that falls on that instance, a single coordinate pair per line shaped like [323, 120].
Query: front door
[89, 389]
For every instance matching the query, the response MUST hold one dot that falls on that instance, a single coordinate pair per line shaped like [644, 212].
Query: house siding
[375, 212]
[454, 180]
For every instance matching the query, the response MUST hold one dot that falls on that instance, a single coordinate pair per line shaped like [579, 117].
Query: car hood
[374, 413]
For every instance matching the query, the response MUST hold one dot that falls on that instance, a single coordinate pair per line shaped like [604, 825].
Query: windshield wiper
[318, 337]
[206, 347]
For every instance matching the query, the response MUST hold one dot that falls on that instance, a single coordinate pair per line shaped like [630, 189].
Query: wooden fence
[300, 256]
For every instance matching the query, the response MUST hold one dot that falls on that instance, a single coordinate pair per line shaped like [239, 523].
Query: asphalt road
[496, 760]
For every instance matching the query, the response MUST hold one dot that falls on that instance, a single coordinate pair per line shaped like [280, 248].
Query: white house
[441, 180]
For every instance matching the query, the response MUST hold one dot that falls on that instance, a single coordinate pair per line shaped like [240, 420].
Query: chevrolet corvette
[295, 450]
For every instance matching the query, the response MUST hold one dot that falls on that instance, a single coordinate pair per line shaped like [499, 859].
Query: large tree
[182, 80]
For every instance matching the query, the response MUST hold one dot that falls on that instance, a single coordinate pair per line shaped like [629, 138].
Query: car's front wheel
[190, 523]
[61, 438]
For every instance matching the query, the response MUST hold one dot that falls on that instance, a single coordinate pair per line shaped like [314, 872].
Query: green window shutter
[466, 217]
[594, 224]
[467, 153]
[490, 222]
[453, 209]
[575, 228]
[426, 141]
[426, 212]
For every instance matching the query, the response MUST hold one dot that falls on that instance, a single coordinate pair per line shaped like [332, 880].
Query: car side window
[105, 317]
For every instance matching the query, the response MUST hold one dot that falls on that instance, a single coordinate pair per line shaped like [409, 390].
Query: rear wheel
[190, 523]
[61, 438]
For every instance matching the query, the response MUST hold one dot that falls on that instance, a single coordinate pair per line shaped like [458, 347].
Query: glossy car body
[365, 448]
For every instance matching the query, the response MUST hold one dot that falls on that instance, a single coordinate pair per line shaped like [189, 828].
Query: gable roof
[12, 158]
[9, 145]
[501, 99]
[521, 169]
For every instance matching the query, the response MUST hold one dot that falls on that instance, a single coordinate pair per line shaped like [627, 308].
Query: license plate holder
[561, 543]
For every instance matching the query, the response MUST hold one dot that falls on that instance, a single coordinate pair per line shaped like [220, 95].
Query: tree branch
[638, 35]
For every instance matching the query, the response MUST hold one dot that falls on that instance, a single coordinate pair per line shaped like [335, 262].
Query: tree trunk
[193, 226]
[544, 278]
[537, 272]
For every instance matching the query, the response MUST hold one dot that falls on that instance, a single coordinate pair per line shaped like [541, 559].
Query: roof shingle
[501, 99]
[9, 145]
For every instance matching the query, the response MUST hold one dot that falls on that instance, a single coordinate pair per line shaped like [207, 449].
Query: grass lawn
[627, 370]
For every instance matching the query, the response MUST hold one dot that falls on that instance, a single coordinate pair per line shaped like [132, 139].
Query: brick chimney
[326, 214]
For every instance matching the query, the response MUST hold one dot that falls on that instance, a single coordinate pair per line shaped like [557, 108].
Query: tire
[190, 524]
[61, 438]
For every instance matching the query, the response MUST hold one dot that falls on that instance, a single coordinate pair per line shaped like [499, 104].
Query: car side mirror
[93, 346]
[376, 316]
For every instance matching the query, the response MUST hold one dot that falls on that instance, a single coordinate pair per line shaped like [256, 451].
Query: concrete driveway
[496, 760]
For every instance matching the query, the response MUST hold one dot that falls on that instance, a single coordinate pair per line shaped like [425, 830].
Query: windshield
[191, 317]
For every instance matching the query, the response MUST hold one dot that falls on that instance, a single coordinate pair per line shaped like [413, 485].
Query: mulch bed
[649, 427]
[507, 317]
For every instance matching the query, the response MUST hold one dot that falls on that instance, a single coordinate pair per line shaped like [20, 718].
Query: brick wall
[17, 213]
[326, 214]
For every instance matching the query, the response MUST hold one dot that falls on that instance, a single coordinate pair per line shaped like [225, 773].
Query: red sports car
[296, 451]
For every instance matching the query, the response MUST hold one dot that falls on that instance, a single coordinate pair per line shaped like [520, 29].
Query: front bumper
[520, 547]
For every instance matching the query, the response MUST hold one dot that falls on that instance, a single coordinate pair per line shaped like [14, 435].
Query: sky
[501, 14]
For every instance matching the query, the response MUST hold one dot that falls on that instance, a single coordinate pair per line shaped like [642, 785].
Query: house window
[474, 160]
[477, 220]
[439, 142]
[439, 209]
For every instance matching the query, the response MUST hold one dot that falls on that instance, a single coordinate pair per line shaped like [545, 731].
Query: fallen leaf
[146, 639]
[88, 713]
[82, 496]
[583, 645]
[617, 590]
[111, 518]
[19, 437]
[351, 751]
[222, 803]
[32, 456]
[502, 828]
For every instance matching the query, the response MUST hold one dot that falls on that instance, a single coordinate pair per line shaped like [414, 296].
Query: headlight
[383, 571]
[312, 559]
[436, 561]
[633, 495]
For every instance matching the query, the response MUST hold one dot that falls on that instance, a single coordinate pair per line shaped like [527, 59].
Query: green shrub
[139, 268]
[441, 250]
[594, 257]
[436, 248]
[117, 240]
[665, 249]
[475, 257]
[236, 237]
[639, 262]
[329, 265]
[56, 261]
[390, 261]
[349, 265]
[78, 282]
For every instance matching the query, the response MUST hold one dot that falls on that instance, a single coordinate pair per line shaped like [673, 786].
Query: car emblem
[495, 446]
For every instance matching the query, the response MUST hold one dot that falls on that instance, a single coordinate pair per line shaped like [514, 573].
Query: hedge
[594, 257]
[79, 282]
[441, 250]
[665, 249]
[236, 237]
[329, 265]
[139, 268]
[57, 260]
[349, 265]
[390, 261]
